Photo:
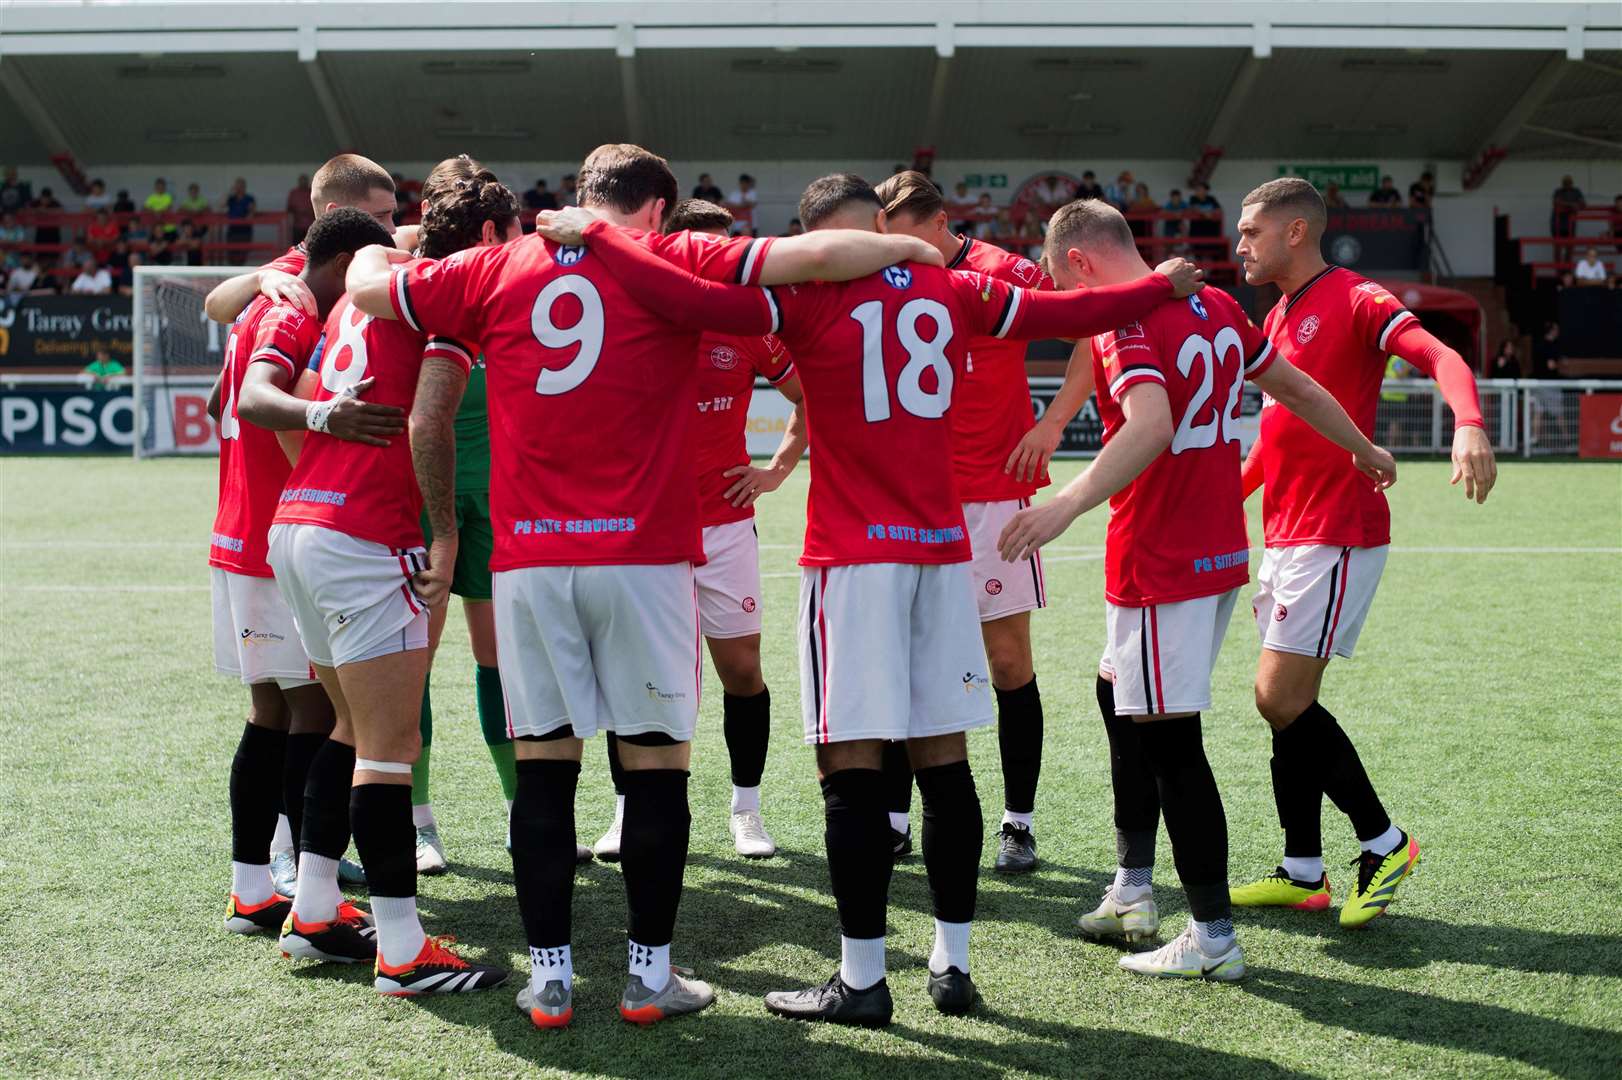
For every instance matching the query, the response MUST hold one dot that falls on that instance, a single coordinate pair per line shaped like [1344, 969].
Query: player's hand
[1474, 463]
[433, 585]
[285, 288]
[407, 237]
[1185, 276]
[365, 421]
[566, 226]
[1379, 466]
[1030, 529]
[751, 484]
[1030, 458]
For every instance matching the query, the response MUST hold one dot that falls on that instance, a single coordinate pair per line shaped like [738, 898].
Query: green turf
[1484, 699]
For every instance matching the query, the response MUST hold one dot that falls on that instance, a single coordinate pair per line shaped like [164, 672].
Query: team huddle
[459, 408]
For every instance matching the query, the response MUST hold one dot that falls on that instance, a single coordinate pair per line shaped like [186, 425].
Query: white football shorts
[890, 651]
[729, 581]
[255, 638]
[351, 598]
[1161, 657]
[1311, 599]
[604, 648]
[1001, 588]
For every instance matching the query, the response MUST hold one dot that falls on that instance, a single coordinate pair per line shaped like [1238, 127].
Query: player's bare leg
[1128, 907]
[1312, 757]
[542, 835]
[747, 720]
[953, 832]
[384, 695]
[1019, 735]
[255, 794]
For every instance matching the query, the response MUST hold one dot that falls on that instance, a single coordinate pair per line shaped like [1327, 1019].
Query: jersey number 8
[339, 371]
[922, 355]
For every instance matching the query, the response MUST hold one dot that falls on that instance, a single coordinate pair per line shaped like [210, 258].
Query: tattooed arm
[433, 453]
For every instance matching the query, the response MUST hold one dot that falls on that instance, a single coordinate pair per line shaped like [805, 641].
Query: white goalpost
[178, 352]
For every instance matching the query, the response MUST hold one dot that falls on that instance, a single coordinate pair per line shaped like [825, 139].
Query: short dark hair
[698, 214]
[1294, 196]
[1088, 175]
[825, 197]
[456, 216]
[745, 177]
[347, 179]
[625, 177]
[1086, 223]
[343, 230]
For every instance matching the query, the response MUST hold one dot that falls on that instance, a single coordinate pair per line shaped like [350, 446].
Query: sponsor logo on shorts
[250, 636]
[342, 618]
[993, 586]
[1307, 330]
[973, 681]
[656, 694]
[724, 357]
[748, 603]
[1280, 613]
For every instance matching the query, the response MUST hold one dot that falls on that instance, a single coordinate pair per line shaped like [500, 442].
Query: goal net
[178, 353]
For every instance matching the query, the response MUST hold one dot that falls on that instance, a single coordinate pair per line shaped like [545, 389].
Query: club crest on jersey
[1129, 331]
[568, 256]
[898, 277]
[1026, 271]
[1197, 307]
[724, 357]
[1307, 330]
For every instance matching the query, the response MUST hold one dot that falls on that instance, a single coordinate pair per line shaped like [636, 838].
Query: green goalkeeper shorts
[475, 540]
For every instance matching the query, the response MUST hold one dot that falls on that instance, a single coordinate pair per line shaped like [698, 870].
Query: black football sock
[1019, 738]
[1298, 791]
[859, 857]
[1137, 796]
[384, 838]
[1341, 770]
[897, 778]
[747, 723]
[1195, 821]
[653, 851]
[301, 750]
[953, 836]
[255, 792]
[543, 849]
[325, 830]
[616, 771]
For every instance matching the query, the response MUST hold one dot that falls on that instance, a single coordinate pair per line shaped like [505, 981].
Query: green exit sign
[978, 180]
[1349, 177]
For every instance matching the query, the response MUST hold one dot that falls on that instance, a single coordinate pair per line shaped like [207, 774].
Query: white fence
[1528, 417]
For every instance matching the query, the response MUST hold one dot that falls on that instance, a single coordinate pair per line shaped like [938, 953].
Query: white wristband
[317, 414]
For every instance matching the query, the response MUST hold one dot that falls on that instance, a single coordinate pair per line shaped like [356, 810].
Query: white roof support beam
[343, 133]
[625, 51]
[1532, 98]
[945, 49]
[1572, 136]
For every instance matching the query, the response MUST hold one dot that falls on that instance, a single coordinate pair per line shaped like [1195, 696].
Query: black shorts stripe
[1329, 608]
[1143, 647]
[1036, 580]
[816, 658]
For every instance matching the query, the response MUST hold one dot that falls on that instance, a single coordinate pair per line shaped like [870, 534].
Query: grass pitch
[1485, 700]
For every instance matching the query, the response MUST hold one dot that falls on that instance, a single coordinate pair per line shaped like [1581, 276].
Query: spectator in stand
[536, 199]
[119, 261]
[1088, 188]
[1386, 194]
[568, 196]
[960, 207]
[160, 202]
[11, 232]
[1141, 204]
[102, 233]
[1591, 269]
[1548, 403]
[23, 278]
[1333, 199]
[1422, 192]
[158, 251]
[1616, 215]
[300, 208]
[795, 228]
[1507, 363]
[47, 234]
[1176, 204]
[193, 203]
[742, 204]
[1205, 213]
[93, 280]
[76, 257]
[984, 217]
[15, 194]
[98, 199]
[239, 207]
[1568, 199]
[187, 245]
[102, 370]
[1119, 194]
[707, 190]
[123, 204]
[1048, 194]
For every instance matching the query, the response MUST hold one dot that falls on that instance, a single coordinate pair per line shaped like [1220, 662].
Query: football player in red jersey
[999, 464]
[888, 645]
[347, 546]
[1327, 536]
[729, 594]
[596, 614]
[254, 635]
[1175, 557]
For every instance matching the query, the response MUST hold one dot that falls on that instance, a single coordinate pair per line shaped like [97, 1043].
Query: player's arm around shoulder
[841, 255]
[370, 279]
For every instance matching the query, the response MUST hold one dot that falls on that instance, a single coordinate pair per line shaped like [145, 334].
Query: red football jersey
[879, 359]
[1177, 531]
[369, 492]
[590, 452]
[253, 468]
[291, 261]
[727, 366]
[991, 405]
[1334, 328]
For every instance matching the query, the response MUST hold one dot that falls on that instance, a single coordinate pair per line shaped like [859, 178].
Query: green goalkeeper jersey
[473, 435]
